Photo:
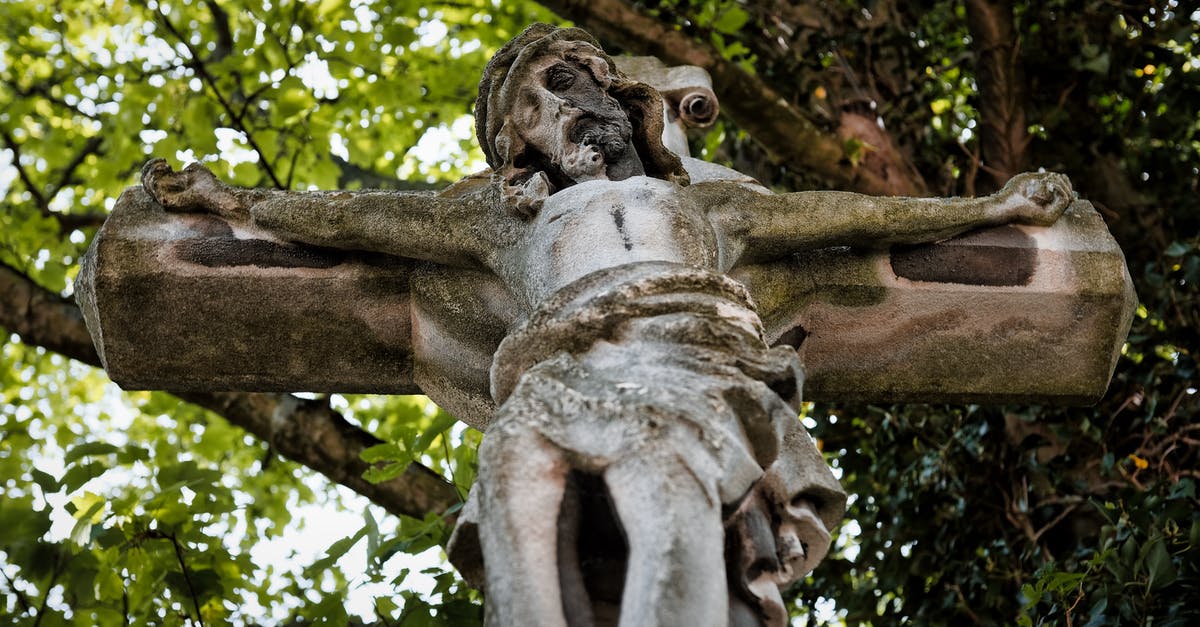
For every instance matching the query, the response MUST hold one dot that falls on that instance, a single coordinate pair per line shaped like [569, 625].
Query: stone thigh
[522, 479]
[675, 573]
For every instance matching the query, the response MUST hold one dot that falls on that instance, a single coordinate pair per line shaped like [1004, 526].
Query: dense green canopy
[140, 508]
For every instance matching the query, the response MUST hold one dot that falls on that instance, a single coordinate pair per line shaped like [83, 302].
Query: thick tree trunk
[1003, 130]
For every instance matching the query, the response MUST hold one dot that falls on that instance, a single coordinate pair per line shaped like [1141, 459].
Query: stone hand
[192, 189]
[526, 199]
[1035, 197]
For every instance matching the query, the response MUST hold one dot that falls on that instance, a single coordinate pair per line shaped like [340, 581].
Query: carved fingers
[1036, 197]
[192, 189]
[525, 199]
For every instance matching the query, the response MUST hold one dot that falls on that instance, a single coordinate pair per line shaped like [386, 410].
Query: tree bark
[777, 124]
[1003, 130]
[307, 432]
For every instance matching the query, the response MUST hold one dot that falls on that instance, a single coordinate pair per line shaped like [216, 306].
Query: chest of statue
[602, 224]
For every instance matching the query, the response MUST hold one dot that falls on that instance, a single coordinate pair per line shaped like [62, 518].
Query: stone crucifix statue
[644, 464]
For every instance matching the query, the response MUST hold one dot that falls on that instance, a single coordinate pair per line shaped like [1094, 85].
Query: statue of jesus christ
[645, 465]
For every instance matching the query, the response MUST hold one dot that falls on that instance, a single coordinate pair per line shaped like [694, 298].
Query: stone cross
[625, 324]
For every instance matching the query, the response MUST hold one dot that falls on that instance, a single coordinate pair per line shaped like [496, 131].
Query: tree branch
[220, 24]
[311, 433]
[197, 64]
[1003, 132]
[90, 147]
[43, 317]
[21, 600]
[67, 222]
[772, 120]
[38, 197]
[58, 570]
[307, 432]
[187, 578]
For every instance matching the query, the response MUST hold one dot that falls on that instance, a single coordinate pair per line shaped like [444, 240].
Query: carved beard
[609, 135]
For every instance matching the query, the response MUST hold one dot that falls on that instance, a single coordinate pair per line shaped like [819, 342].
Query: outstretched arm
[451, 231]
[761, 227]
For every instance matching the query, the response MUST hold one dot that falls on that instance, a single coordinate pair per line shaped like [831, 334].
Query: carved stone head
[551, 101]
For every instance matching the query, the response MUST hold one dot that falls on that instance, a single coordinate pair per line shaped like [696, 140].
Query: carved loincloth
[657, 360]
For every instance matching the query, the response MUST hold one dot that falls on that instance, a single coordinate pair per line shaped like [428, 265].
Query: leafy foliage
[136, 508]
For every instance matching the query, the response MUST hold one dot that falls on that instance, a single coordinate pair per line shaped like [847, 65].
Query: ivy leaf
[1159, 566]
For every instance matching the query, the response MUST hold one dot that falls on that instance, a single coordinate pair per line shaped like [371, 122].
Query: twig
[58, 568]
[224, 35]
[20, 595]
[90, 147]
[1057, 519]
[186, 577]
[198, 65]
[962, 599]
[1174, 406]
[34, 191]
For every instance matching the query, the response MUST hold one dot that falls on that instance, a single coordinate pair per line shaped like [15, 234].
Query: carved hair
[512, 66]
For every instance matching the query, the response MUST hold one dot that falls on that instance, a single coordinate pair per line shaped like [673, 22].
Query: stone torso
[603, 224]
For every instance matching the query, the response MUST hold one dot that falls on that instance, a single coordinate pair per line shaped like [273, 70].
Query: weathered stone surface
[1010, 314]
[187, 302]
[1015, 313]
[645, 464]
[688, 99]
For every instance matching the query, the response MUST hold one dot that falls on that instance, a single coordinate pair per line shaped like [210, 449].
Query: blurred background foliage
[137, 508]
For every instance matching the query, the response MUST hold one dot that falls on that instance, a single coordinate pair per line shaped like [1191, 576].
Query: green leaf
[81, 532]
[131, 454]
[732, 20]
[372, 530]
[109, 585]
[80, 474]
[387, 472]
[386, 452]
[21, 523]
[1177, 249]
[441, 422]
[386, 608]
[334, 553]
[1159, 566]
[89, 449]
[45, 481]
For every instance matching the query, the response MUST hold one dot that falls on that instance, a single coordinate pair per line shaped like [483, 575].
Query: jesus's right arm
[459, 231]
